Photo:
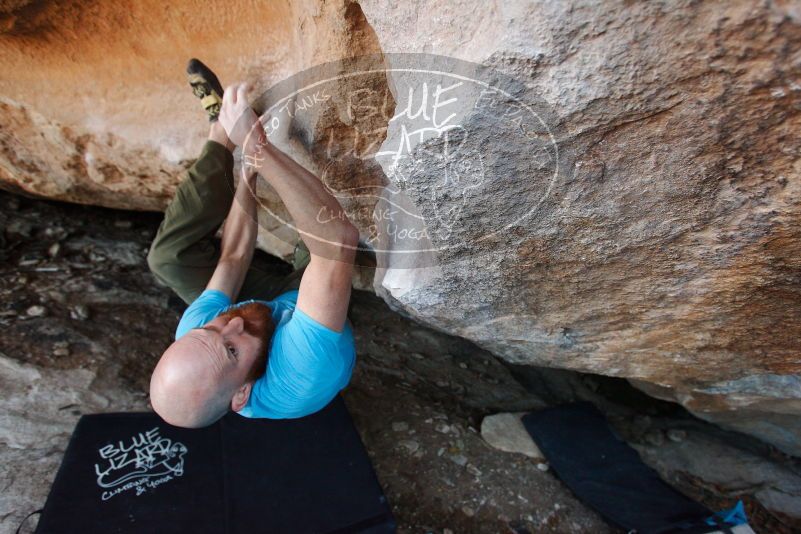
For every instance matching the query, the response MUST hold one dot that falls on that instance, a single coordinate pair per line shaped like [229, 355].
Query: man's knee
[179, 278]
[157, 264]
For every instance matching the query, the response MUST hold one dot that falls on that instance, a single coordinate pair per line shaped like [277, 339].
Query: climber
[285, 349]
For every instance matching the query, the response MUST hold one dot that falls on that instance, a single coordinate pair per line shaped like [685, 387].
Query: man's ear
[240, 398]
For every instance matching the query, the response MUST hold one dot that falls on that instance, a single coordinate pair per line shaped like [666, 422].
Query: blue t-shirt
[308, 363]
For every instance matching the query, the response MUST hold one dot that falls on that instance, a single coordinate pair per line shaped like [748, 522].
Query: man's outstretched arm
[323, 225]
[325, 229]
[238, 240]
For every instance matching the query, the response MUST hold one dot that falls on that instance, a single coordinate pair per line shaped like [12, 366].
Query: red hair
[259, 323]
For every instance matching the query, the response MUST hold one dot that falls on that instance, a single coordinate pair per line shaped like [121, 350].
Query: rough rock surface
[40, 409]
[96, 104]
[667, 250]
[775, 488]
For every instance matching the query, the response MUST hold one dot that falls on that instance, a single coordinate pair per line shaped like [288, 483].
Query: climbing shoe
[206, 87]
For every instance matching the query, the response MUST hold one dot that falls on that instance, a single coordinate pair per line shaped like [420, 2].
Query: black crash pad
[608, 475]
[132, 472]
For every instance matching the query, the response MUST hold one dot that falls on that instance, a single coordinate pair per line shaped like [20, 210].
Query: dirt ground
[81, 312]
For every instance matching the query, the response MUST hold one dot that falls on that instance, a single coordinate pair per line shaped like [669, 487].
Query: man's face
[212, 367]
[230, 347]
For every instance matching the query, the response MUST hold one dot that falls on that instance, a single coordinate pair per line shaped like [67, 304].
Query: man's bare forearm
[238, 241]
[241, 228]
[320, 219]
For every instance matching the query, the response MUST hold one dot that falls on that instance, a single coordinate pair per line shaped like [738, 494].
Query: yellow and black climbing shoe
[206, 87]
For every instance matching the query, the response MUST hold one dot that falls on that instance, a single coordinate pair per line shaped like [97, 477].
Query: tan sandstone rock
[95, 101]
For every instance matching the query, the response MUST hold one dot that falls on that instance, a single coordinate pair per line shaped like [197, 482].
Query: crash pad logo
[140, 463]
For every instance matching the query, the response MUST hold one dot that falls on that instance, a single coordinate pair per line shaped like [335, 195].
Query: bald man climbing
[285, 349]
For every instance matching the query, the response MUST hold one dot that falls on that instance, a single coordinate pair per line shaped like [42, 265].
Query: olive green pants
[185, 252]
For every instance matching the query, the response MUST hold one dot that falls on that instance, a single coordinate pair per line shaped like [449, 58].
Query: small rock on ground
[505, 431]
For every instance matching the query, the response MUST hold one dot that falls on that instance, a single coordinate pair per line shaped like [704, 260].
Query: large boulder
[664, 246]
[668, 251]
